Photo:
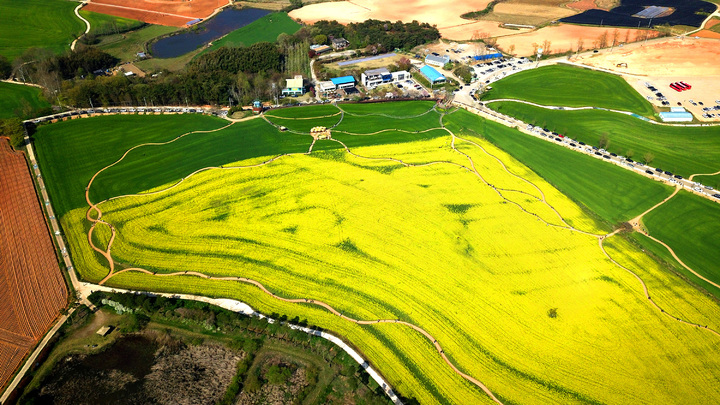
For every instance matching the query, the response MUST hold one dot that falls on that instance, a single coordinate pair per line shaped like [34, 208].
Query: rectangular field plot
[31, 287]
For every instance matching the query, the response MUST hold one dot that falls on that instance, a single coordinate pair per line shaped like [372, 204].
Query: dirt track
[32, 289]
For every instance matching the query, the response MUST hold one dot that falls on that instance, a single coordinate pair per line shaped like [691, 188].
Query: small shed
[105, 330]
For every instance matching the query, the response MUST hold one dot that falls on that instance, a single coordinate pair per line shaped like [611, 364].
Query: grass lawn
[97, 142]
[614, 194]
[264, 29]
[126, 46]
[103, 24]
[681, 150]
[16, 97]
[570, 86]
[478, 267]
[689, 224]
[37, 24]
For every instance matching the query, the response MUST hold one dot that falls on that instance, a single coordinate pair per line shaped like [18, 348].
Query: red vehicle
[687, 86]
[675, 87]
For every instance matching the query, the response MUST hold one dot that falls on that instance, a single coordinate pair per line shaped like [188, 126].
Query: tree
[604, 141]
[511, 49]
[5, 67]
[320, 39]
[648, 158]
[627, 36]
[13, 129]
[546, 47]
[580, 45]
[615, 36]
[603, 39]
[629, 153]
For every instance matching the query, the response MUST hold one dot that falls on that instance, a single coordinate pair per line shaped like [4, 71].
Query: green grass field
[264, 29]
[126, 46]
[689, 224]
[104, 24]
[681, 150]
[404, 226]
[570, 86]
[16, 99]
[37, 24]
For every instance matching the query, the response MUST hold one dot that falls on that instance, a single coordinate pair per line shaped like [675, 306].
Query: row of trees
[390, 35]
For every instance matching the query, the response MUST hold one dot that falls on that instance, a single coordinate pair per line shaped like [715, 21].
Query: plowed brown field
[32, 289]
[174, 13]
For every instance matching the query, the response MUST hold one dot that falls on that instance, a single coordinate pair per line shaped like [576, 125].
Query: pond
[225, 22]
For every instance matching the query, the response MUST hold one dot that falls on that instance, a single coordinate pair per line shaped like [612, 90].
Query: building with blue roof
[344, 82]
[432, 75]
[676, 114]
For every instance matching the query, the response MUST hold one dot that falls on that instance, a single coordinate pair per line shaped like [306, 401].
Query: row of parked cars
[602, 153]
[132, 110]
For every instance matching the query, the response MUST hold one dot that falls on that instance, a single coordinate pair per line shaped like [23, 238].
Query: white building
[324, 87]
[438, 61]
[376, 77]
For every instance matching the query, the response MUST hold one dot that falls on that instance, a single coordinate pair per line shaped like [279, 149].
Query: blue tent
[433, 75]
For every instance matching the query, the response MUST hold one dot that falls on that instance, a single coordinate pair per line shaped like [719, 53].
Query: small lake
[225, 22]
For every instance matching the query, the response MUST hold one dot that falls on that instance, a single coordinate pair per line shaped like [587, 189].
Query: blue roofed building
[432, 75]
[344, 82]
[676, 114]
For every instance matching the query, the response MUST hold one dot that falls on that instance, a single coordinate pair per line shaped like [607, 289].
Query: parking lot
[701, 101]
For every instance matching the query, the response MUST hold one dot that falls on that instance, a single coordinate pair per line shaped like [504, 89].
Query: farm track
[93, 207]
[629, 113]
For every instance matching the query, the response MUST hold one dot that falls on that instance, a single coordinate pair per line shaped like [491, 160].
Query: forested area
[229, 75]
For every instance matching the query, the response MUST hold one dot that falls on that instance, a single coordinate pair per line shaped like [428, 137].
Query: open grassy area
[126, 46]
[104, 24]
[402, 227]
[689, 224]
[681, 150]
[570, 86]
[37, 24]
[19, 100]
[264, 29]
[614, 194]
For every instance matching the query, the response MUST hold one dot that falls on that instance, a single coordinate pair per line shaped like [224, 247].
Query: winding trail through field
[87, 25]
[629, 113]
[94, 216]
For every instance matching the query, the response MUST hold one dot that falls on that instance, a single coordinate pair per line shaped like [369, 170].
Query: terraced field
[408, 233]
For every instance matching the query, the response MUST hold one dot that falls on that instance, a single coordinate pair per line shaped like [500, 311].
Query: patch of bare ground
[188, 375]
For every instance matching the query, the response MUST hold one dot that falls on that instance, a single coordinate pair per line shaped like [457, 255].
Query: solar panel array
[652, 12]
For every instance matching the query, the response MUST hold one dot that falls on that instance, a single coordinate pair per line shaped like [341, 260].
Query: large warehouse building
[432, 75]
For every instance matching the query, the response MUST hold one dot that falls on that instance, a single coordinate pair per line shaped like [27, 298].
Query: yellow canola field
[437, 247]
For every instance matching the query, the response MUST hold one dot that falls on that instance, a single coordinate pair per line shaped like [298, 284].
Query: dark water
[90, 380]
[225, 22]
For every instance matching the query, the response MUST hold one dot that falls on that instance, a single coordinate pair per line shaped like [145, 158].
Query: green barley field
[105, 24]
[570, 86]
[681, 150]
[19, 100]
[37, 24]
[264, 29]
[408, 213]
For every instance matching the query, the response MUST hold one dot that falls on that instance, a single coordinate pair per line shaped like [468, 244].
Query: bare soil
[174, 13]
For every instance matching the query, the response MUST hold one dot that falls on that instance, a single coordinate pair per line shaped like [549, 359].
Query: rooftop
[432, 74]
[342, 80]
[378, 71]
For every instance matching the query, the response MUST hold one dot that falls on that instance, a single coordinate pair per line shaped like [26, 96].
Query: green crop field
[126, 46]
[264, 29]
[16, 99]
[570, 86]
[689, 225]
[37, 24]
[433, 226]
[681, 150]
[103, 24]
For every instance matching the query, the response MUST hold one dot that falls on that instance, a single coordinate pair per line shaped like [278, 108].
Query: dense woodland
[225, 76]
